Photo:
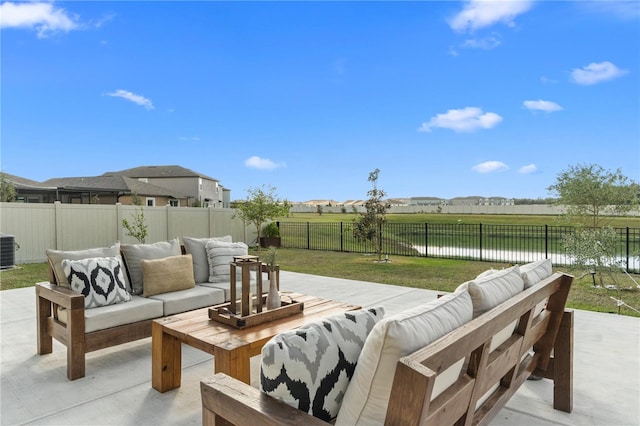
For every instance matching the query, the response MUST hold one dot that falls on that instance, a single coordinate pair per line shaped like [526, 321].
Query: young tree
[590, 192]
[7, 190]
[262, 204]
[137, 228]
[368, 226]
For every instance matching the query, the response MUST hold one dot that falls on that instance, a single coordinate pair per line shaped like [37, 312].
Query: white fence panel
[38, 227]
[34, 229]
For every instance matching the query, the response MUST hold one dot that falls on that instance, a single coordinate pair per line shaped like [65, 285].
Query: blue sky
[446, 98]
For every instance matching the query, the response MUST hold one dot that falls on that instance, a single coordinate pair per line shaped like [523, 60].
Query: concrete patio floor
[117, 387]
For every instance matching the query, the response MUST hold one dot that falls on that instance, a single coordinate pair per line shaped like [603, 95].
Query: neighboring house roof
[23, 183]
[113, 183]
[158, 172]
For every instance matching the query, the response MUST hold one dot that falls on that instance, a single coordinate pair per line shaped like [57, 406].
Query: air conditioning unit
[7, 251]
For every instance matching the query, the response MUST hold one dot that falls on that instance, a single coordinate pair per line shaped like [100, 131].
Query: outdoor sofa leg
[76, 347]
[43, 309]
[563, 365]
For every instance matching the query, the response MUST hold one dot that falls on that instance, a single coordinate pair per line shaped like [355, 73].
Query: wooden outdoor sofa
[61, 312]
[541, 344]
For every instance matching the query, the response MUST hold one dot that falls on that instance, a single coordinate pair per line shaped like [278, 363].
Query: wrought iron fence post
[426, 239]
[308, 236]
[627, 244]
[480, 235]
[341, 238]
[546, 241]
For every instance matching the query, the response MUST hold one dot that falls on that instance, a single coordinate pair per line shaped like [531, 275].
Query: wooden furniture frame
[49, 295]
[541, 345]
[231, 347]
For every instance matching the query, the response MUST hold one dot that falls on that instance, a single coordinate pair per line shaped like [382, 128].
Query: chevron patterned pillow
[310, 368]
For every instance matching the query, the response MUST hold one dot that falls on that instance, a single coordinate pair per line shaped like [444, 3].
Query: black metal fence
[493, 243]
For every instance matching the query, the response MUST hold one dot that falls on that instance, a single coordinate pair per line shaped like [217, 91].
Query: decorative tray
[221, 313]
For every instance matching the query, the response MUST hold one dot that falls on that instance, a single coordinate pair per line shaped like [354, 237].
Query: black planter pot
[270, 242]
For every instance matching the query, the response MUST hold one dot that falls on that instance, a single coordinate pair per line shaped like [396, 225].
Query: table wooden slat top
[231, 347]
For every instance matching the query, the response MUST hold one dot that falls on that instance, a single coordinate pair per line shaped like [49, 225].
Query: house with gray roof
[152, 185]
[199, 188]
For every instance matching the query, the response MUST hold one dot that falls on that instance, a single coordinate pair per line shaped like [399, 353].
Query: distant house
[201, 190]
[153, 185]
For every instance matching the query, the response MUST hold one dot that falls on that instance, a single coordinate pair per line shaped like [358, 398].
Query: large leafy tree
[262, 204]
[591, 193]
[368, 225]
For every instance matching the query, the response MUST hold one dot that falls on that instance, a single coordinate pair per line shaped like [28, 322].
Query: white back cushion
[489, 291]
[534, 272]
[220, 255]
[196, 247]
[367, 396]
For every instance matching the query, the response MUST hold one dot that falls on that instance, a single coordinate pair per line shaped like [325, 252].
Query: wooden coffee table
[232, 348]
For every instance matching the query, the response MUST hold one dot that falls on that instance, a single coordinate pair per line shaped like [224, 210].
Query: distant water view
[511, 256]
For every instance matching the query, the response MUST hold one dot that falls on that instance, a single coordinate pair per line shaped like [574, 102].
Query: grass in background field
[489, 219]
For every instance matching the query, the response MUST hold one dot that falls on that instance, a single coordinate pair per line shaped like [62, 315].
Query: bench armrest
[61, 296]
[241, 404]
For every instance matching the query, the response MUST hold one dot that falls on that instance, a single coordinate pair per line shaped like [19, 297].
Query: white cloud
[625, 9]
[487, 43]
[136, 99]
[256, 162]
[484, 13]
[596, 73]
[540, 105]
[490, 167]
[466, 119]
[43, 17]
[528, 169]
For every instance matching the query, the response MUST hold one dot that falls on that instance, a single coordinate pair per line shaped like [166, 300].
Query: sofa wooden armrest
[226, 400]
[72, 333]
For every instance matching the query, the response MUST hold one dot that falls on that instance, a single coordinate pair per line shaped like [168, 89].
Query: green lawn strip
[490, 219]
[24, 275]
[419, 272]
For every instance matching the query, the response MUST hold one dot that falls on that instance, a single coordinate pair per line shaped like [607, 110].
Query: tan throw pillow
[172, 273]
[134, 253]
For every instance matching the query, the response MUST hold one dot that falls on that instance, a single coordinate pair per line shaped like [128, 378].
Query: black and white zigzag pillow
[99, 279]
[310, 368]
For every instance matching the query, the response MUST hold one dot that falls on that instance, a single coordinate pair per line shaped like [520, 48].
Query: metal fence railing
[494, 243]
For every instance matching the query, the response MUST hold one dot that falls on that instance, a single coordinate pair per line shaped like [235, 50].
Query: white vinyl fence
[38, 227]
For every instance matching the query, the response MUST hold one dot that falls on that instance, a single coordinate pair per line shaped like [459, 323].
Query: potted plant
[271, 235]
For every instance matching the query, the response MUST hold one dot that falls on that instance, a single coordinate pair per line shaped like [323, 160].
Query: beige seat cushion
[103, 317]
[171, 273]
[196, 297]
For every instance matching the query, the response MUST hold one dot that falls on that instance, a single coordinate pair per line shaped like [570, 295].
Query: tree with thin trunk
[262, 204]
[368, 225]
[591, 195]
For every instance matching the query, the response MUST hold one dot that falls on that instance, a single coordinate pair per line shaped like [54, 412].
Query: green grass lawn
[489, 219]
[429, 273]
